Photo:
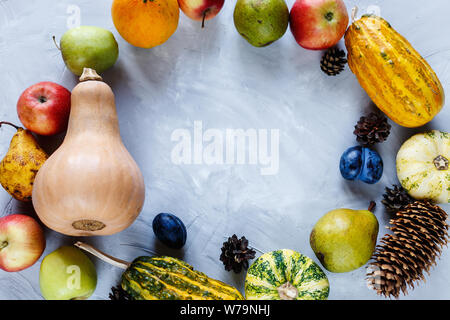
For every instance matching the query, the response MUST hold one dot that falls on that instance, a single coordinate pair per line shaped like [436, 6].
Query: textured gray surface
[215, 76]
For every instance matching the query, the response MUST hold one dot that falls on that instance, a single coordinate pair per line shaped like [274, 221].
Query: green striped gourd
[285, 275]
[166, 278]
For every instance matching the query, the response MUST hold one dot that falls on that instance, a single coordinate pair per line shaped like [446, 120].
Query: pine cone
[333, 61]
[419, 233]
[117, 293]
[396, 198]
[236, 253]
[372, 129]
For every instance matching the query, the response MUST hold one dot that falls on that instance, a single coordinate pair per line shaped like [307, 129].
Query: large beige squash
[91, 185]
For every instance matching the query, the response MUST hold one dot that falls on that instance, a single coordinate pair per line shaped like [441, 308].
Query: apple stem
[10, 124]
[3, 244]
[204, 17]
[102, 256]
[372, 206]
[54, 41]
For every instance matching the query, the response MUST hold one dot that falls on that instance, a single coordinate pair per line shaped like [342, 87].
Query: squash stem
[102, 256]
[354, 13]
[90, 74]
[9, 124]
[372, 206]
[287, 291]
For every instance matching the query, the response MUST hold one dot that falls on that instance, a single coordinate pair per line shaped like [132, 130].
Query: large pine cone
[419, 233]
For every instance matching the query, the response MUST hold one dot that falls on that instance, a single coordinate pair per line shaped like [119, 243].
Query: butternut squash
[397, 79]
[90, 185]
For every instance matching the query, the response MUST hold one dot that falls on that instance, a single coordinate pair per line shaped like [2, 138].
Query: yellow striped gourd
[165, 278]
[394, 75]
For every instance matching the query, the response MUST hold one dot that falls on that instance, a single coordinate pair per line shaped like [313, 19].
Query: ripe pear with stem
[21, 164]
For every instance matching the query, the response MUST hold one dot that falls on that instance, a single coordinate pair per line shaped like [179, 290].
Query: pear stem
[10, 124]
[372, 206]
[102, 256]
[56, 44]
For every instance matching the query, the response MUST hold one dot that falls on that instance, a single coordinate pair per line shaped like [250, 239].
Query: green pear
[261, 22]
[67, 274]
[344, 239]
[89, 47]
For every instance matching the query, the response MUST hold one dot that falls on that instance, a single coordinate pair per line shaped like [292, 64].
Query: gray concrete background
[215, 76]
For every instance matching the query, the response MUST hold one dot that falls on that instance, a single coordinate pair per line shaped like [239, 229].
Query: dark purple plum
[360, 163]
[170, 230]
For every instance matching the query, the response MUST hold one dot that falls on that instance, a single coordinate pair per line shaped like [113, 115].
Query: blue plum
[360, 163]
[170, 230]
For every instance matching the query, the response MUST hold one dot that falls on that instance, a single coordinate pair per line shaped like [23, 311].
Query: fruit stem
[329, 16]
[372, 206]
[103, 256]
[10, 124]
[441, 163]
[3, 245]
[204, 17]
[56, 44]
[287, 291]
[90, 74]
[354, 13]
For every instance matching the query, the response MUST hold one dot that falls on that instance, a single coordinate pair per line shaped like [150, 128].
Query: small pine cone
[419, 233]
[117, 293]
[396, 198]
[372, 129]
[333, 61]
[236, 253]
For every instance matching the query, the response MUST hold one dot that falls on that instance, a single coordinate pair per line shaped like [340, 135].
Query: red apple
[44, 108]
[22, 242]
[201, 10]
[318, 24]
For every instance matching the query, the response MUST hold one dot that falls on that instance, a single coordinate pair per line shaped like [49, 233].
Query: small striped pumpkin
[285, 275]
[167, 278]
[423, 166]
[394, 75]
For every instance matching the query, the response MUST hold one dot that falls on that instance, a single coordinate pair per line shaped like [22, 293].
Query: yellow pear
[20, 165]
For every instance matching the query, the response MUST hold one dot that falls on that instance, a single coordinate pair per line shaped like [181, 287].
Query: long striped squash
[285, 275]
[167, 278]
[394, 75]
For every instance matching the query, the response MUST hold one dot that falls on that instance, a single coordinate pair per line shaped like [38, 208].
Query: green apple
[67, 274]
[89, 47]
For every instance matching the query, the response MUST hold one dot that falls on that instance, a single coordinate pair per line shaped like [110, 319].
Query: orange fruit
[145, 23]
